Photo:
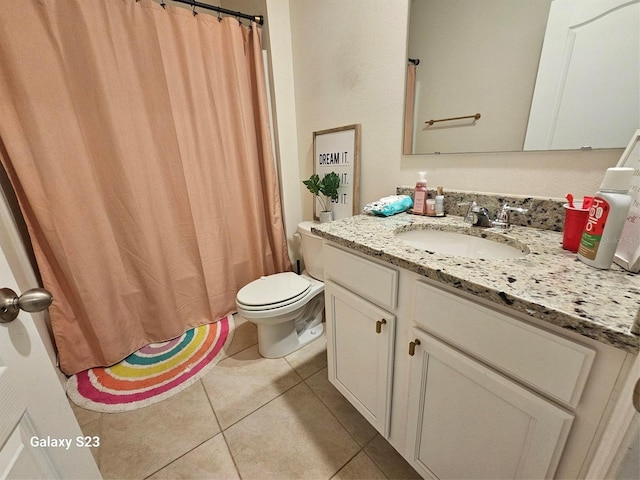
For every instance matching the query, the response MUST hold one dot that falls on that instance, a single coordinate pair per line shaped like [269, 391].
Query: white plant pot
[325, 216]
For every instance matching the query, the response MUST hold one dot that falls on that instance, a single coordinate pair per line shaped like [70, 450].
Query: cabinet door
[467, 421]
[360, 340]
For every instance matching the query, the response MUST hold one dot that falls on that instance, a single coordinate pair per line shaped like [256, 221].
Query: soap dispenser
[420, 194]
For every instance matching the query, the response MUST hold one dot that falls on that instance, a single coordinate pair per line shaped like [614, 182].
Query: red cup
[574, 220]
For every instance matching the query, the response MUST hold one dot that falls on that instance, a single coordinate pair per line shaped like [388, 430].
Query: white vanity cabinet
[489, 392]
[361, 334]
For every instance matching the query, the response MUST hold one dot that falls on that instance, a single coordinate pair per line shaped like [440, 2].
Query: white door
[39, 435]
[471, 422]
[588, 86]
[360, 338]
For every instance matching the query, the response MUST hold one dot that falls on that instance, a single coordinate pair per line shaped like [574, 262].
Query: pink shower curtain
[137, 141]
[409, 105]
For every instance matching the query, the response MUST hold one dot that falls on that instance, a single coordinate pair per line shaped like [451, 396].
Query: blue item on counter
[390, 205]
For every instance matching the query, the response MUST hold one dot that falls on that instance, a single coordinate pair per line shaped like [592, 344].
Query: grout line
[347, 462]
[194, 448]
[334, 415]
[233, 458]
[99, 455]
[331, 412]
[301, 380]
[263, 405]
[213, 410]
[222, 431]
[374, 462]
[199, 381]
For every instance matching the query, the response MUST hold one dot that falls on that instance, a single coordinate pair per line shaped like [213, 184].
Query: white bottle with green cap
[606, 219]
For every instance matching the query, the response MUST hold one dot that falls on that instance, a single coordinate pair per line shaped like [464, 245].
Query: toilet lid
[273, 289]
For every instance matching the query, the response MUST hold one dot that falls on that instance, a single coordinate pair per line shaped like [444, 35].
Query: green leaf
[330, 184]
[313, 184]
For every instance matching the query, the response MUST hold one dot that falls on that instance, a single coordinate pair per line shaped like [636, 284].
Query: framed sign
[338, 150]
[628, 251]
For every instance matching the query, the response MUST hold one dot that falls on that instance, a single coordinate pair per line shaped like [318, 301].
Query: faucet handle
[507, 208]
[471, 204]
[502, 218]
[468, 218]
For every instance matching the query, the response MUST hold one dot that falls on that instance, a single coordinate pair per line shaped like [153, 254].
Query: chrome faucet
[502, 219]
[476, 215]
[479, 216]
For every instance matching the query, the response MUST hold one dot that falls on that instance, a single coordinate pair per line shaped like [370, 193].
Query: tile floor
[249, 417]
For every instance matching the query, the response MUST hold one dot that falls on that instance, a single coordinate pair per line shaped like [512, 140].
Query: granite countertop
[548, 283]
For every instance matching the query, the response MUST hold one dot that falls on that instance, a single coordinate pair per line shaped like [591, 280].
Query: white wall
[348, 60]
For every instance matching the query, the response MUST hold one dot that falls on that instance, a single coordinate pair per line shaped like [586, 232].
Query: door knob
[34, 300]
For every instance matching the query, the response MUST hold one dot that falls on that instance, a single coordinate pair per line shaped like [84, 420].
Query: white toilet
[286, 307]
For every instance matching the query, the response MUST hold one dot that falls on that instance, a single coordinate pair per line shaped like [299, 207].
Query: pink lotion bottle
[420, 194]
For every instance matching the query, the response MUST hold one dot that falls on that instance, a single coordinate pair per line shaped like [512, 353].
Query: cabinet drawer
[376, 283]
[547, 362]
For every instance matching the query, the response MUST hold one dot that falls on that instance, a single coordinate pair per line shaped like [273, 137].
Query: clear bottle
[420, 194]
[439, 202]
[607, 215]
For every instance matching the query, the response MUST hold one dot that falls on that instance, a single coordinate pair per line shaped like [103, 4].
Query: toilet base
[282, 349]
[279, 340]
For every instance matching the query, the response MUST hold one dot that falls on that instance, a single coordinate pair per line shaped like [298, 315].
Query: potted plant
[325, 190]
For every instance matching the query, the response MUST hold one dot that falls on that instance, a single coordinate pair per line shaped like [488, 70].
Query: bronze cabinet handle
[412, 347]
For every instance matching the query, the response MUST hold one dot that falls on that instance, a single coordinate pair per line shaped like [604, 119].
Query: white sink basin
[459, 244]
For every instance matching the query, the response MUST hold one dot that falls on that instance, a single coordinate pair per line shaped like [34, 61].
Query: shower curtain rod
[259, 19]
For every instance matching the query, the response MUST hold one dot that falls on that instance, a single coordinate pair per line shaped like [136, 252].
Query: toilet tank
[311, 251]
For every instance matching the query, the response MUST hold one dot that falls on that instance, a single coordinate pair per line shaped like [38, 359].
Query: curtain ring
[163, 5]
[193, 8]
[219, 16]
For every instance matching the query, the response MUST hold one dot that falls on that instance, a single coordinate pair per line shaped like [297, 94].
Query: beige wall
[468, 67]
[284, 117]
[348, 61]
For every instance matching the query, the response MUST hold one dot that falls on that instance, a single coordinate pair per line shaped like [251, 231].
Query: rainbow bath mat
[154, 372]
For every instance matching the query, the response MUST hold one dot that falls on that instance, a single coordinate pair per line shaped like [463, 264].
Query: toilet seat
[287, 309]
[273, 292]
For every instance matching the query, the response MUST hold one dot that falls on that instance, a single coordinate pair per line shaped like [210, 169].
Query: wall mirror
[525, 75]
